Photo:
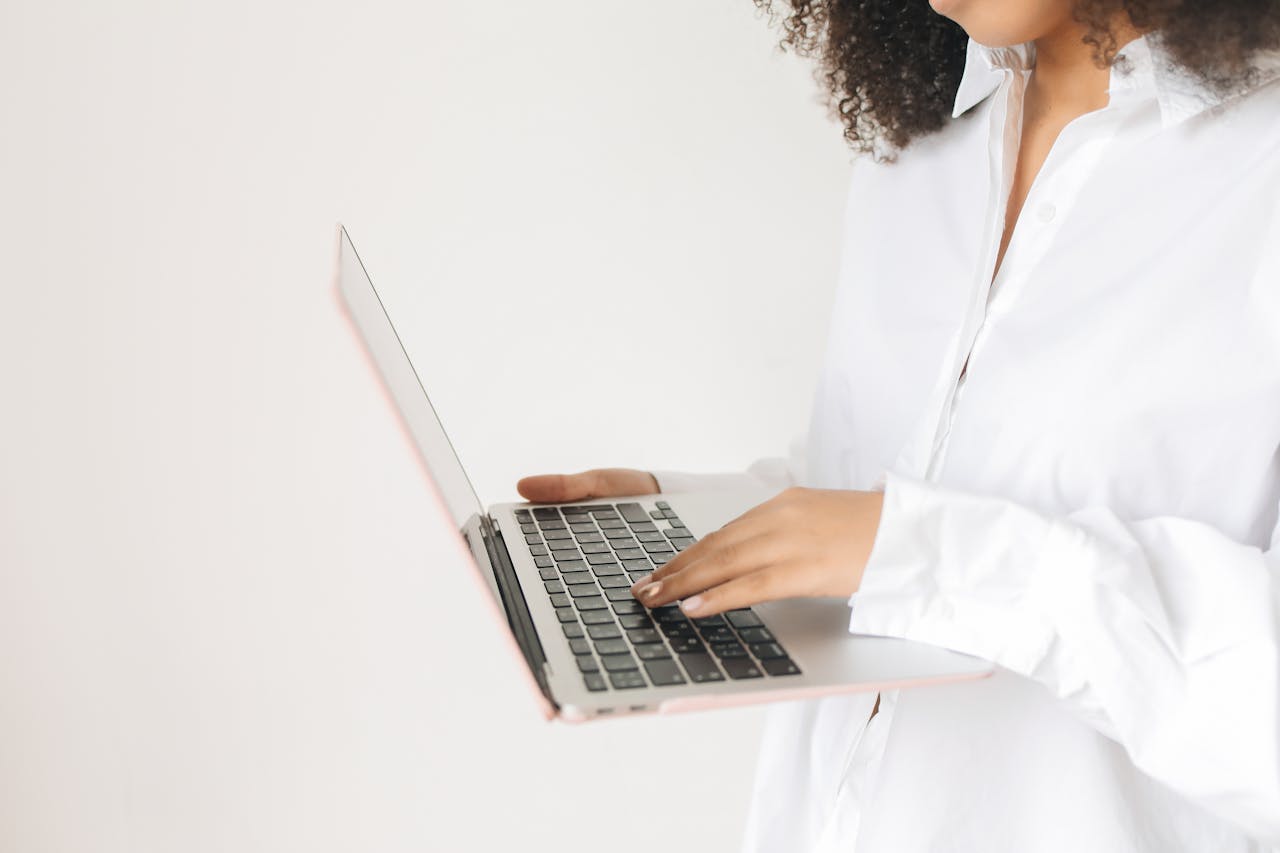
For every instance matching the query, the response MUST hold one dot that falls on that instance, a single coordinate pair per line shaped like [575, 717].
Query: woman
[1046, 434]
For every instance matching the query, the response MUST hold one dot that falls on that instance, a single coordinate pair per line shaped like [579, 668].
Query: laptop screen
[404, 382]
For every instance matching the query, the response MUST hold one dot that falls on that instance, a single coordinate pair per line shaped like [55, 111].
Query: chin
[1001, 23]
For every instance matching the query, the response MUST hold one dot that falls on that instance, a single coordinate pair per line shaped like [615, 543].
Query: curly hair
[891, 68]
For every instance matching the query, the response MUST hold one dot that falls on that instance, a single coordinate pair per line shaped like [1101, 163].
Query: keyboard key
[709, 621]
[644, 635]
[583, 527]
[577, 509]
[780, 666]
[681, 544]
[603, 632]
[626, 680]
[617, 663]
[617, 533]
[567, 556]
[655, 536]
[552, 535]
[600, 559]
[562, 545]
[627, 607]
[675, 522]
[668, 515]
[598, 617]
[554, 585]
[663, 672]
[653, 547]
[584, 538]
[523, 515]
[601, 509]
[629, 553]
[714, 635]
[545, 512]
[767, 650]
[532, 538]
[612, 524]
[548, 574]
[580, 646]
[568, 617]
[741, 668]
[619, 593]
[586, 663]
[662, 505]
[593, 602]
[555, 524]
[655, 513]
[636, 577]
[701, 668]
[728, 650]
[543, 562]
[743, 619]
[582, 590]
[612, 646]
[662, 559]
[607, 570]
[538, 550]
[635, 620]
[641, 564]
[627, 544]
[686, 645]
[643, 527]
[560, 599]
[594, 681]
[572, 630]
[756, 635]
[615, 581]
[669, 613]
[651, 651]
[593, 548]
[633, 512]
[576, 577]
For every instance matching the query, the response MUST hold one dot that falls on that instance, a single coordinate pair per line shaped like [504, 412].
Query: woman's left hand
[804, 542]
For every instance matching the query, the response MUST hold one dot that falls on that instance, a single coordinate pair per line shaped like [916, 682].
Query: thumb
[556, 488]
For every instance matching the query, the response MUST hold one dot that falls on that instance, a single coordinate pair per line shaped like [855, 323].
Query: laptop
[558, 577]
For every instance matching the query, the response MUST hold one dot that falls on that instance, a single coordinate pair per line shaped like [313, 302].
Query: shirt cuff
[956, 571]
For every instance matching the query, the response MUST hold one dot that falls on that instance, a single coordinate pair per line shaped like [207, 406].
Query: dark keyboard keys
[600, 559]
[780, 666]
[594, 681]
[586, 663]
[532, 538]
[551, 535]
[632, 621]
[607, 570]
[576, 577]
[580, 646]
[641, 636]
[755, 635]
[709, 621]
[633, 512]
[543, 562]
[701, 668]
[611, 646]
[718, 635]
[594, 602]
[565, 555]
[545, 512]
[663, 672]
[652, 651]
[572, 566]
[567, 616]
[582, 590]
[687, 645]
[626, 680]
[548, 575]
[601, 618]
[728, 650]
[603, 632]
[553, 585]
[560, 599]
[743, 619]
[638, 565]
[619, 593]
[617, 663]
[741, 668]
[572, 629]
[627, 607]
[764, 651]
[618, 581]
[557, 545]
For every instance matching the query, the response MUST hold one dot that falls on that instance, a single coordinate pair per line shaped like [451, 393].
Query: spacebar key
[663, 672]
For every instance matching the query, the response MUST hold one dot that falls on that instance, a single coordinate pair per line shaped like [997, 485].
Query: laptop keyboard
[588, 557]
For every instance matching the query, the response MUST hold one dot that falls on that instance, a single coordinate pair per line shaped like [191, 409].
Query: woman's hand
[804, 542]
[596, 483]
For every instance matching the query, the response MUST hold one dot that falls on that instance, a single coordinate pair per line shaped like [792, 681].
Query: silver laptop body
[556, 598]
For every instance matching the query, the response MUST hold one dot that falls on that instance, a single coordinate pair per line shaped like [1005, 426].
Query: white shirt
[1093, 507]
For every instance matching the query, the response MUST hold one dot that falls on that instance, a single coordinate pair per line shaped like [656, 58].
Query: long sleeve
[774, 473]
[1163, 634]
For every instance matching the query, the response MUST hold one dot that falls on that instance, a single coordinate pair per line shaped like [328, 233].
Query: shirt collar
[1144, 70]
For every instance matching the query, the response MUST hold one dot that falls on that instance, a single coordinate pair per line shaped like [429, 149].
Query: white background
[609, 230]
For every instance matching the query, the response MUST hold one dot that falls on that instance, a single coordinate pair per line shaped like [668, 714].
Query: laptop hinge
[513, 602]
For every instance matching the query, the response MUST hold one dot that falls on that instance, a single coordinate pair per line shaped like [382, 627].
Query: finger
[552, 488]
[721, 538]
[717, 567]
[766, 584]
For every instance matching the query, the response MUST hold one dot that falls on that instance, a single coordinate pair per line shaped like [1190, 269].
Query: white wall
[225, 621]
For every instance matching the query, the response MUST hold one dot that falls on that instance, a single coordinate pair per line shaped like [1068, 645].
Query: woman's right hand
[596, 483]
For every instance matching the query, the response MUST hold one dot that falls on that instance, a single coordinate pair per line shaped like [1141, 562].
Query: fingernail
[651, 591]
[691, 605]
[641, 582]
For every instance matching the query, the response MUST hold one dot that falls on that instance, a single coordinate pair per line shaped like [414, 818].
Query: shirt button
[1046, 212]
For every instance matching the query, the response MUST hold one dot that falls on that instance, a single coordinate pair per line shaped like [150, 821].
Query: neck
[1065, 75]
